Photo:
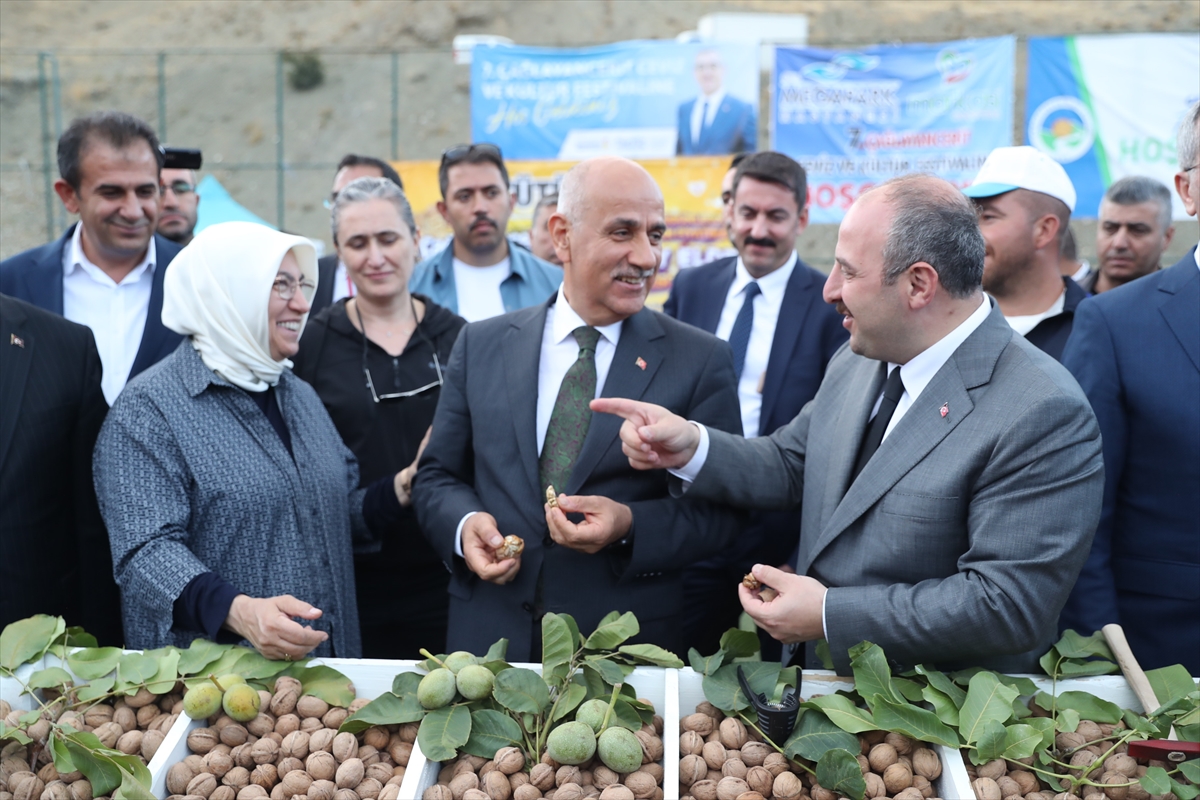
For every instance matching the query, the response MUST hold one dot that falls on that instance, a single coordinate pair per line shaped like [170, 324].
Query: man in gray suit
[513, 418]
[949, 473]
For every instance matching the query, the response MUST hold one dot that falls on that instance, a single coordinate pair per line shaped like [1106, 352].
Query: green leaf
[199, 655]
[576, 639]
[1089, 706]
[556, 649]
[1044, 726]
[96, 689]
[569, 701]
[254, 666]
[838, 771]
[444, 730]
[1170, 683]
[872, 675]
[610, 672]
[989, 743]
[1049, 662]
[324, 682]
[651, 654]
[1024, 686]
[737, 643]
[1156, 781]
[136, 668]
[406, 683]
[842, 712]
[723, 690]
[1182, 791]
[86, 752]
[387, 709]
[520, 690]
[168, 673]
[1020, 710]
[49, 678]
[909, 688]
[1085, 669]
[821, 651]
[491, 730]
[625, 716]
[943, 706]
[963, 676]
[1073, 645]
[14, 734]
[1021, 741]
[62, 756]
[132, 789]
[499, 650]
[76, 636]
[705, 665]
[614, 630]
[94, 662]
[595, 683]
[1191, 770]
[815, 735]
[988, 700]
[1068, 720]
[940, 681]
[226, 661]
[918, 723]
[27, 639]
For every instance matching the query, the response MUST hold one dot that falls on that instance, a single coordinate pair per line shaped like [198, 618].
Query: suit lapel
[797, 299]
[45, 281]
[14, 366]
[523, 343]
[154, 332]
[1182, 310]
[640, 339]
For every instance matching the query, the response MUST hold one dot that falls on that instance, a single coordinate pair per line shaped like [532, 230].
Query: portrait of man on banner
[715, 122]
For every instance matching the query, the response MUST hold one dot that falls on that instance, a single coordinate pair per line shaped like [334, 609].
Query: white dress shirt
[342, 285]
[559, 352]
[762, 334]
[478, 289]
[116, 312]
[702, 115]
[1027, 322]
[915, 375]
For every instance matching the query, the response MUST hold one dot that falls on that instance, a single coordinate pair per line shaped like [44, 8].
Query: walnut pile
[292, 750]
[134, 725]
[721, 759]
[505, 777]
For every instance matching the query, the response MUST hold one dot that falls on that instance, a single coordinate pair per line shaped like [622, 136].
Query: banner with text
[691, 190]
[857, 118]
[1106, 107]
[635, 99]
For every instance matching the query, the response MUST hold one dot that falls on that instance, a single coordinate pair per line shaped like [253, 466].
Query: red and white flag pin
[641, 362]
[19, 342]
[945, 409]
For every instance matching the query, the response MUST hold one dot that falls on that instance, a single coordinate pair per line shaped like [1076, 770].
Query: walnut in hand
[511, 547]
[765, 593]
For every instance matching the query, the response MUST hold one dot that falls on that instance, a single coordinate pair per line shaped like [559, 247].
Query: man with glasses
[1135, 350]
[333, 281]
[481, 273]
[106, 271]
[180, 205]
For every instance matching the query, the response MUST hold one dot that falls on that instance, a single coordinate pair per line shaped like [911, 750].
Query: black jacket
[1050, 335]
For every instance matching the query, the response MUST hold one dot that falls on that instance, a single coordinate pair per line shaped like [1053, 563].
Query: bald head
[595, 179]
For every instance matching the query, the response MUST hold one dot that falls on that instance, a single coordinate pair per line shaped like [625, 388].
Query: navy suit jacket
[734, 129]
[809, 331]
[36, 276]
[1135, 350]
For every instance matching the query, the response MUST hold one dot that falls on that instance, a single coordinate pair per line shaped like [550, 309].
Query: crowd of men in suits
[924, 448]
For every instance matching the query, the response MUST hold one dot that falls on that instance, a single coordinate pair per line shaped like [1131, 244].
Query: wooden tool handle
[1115, 636]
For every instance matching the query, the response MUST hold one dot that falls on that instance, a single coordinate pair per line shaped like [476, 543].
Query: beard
[1002, 276]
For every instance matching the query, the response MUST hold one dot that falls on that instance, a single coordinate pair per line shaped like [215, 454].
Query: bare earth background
[225, 102]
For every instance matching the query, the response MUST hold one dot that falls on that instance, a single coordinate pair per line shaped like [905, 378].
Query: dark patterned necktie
[571, 416]
[893, 390]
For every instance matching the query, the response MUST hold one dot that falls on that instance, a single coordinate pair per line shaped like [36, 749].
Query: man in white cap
[1025, 199]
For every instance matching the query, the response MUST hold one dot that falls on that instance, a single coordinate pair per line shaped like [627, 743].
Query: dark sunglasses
[458, 152]
[178, 187]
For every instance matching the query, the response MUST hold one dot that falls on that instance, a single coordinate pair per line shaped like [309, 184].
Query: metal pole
[56, 86]
[395, 106]
[279, 210]
[162, 97]
[44, 106]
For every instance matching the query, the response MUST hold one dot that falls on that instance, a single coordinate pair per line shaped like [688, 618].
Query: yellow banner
[691, 190]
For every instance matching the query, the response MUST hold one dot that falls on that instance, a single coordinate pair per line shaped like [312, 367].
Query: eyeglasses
[460, 151]
[286, 288]
[437, 368]
[178, 187]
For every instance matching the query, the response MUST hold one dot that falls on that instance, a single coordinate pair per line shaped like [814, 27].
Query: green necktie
[571, 416]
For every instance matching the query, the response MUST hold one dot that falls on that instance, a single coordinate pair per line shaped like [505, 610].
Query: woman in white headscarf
[231, 503]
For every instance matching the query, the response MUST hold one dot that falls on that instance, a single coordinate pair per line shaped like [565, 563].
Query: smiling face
[377, 247]
[1130, 240]
[477, 207]
[117, 200]
[873, 312]
[285, 317]
[614, 245]
[765, 225]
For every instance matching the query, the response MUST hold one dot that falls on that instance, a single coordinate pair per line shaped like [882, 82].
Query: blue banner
[1107, 107]
[636, 99]
[857, 118]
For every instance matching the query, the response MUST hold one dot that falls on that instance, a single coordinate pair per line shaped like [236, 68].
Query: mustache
[482, 218]
[760, 242]
[636, 273]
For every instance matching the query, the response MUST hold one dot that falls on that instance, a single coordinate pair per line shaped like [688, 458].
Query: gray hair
[361, 190]
[1187, 145]
[1135, 189]
[934, 223]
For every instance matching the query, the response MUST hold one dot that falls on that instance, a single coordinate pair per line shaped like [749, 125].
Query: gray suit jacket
[483, 456]
[961, 538]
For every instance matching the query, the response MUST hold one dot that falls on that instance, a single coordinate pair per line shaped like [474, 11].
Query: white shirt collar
[76, 259]
[771, 284]
[566, 321]
[921, 368]
[713, 99]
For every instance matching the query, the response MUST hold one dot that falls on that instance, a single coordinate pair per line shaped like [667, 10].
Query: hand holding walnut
[604, 521]
[481, 540]
[794, 614]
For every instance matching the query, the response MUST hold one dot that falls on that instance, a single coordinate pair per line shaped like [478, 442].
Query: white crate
[658, 685]
[370, 677]
[812, 684]
[1113, 688]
